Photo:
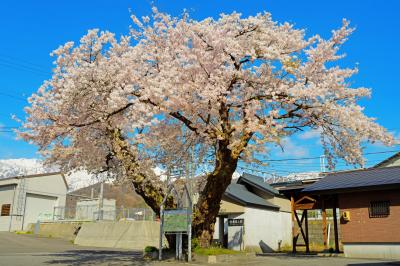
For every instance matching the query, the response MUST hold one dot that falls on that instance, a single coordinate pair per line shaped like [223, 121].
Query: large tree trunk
[208, 206]
[151, 191]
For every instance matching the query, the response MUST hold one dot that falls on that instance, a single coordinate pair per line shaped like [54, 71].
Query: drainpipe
[12, 209]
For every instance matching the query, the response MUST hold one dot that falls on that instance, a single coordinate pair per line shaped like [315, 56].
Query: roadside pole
[100, 215]
[161, 232]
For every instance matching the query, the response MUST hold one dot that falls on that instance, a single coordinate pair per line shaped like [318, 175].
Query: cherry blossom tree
[229, 87]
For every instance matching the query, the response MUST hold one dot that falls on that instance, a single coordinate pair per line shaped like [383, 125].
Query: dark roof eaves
[352, 189]
[272, 190]
[247, 203]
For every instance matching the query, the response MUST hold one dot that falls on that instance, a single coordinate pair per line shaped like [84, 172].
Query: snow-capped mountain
[22, 166]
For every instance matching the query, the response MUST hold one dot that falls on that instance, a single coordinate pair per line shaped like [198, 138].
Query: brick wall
[362, 228]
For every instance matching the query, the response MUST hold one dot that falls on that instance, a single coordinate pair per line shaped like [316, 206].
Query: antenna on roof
[322, 163]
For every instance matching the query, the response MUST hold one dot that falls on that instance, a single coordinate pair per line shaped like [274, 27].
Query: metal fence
[109, 213]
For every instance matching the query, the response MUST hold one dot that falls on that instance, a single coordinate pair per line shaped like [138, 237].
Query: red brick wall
[361, 228]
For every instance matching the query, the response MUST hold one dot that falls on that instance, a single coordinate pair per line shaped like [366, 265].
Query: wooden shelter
[301, 203]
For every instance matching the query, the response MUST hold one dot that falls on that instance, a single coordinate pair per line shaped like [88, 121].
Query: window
[379, 209]
[5, 209]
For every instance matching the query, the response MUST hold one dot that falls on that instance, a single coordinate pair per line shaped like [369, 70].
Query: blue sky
[30, 30]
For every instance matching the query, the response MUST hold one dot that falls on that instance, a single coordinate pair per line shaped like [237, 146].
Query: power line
[313, 158]
[21, 61]
[14, 96]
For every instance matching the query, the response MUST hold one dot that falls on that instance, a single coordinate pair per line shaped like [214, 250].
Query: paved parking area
[30, 250]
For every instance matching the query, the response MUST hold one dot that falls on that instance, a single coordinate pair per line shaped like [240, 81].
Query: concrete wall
[267, 229]
[315, 233]
[264, 230]
[64, 230]
[372, 250]
[123, 234]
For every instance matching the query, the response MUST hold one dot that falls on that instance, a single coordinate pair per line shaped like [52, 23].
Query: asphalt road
[30, 250]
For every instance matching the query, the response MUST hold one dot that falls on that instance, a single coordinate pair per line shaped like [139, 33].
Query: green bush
[195, 243]
[150, 249]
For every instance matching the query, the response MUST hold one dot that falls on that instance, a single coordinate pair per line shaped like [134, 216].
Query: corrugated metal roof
[258, 182]
[357, 179]
[240, 193]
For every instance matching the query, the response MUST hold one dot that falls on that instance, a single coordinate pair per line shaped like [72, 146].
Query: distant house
[27, 199]
[391, 161]
[253, 215]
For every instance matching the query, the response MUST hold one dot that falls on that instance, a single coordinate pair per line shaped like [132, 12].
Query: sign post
[178, 222]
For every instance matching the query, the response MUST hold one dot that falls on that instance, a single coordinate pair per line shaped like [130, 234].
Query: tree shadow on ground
[95, 257]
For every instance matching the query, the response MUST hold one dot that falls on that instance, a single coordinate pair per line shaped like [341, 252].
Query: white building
[27, 199]
[253, 216]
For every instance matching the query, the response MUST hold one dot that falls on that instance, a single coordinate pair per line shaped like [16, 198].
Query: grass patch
[23, 232]
[215, 251]
[149, 249]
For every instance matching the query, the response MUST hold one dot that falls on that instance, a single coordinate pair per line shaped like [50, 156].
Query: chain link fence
[108, 213]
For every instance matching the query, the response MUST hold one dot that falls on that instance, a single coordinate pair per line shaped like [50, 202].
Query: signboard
[176, 220]
[235, 222]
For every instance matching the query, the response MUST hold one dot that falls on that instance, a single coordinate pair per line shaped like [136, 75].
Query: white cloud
[310, 134]
[291, 149]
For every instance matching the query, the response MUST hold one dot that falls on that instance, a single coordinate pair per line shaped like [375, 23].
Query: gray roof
[357, 179]
[388, 160]
[257, 182]
[240, 193]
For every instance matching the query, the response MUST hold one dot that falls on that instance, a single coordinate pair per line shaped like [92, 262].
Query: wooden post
[306, 233]
[325, 235]
[335, 225]
[293, 224]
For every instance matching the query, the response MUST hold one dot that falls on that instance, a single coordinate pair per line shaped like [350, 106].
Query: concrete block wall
[315, 233]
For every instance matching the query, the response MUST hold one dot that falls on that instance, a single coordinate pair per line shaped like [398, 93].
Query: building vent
[5, 209]
[379, 209]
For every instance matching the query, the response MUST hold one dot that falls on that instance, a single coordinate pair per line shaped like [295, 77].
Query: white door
[38, 207]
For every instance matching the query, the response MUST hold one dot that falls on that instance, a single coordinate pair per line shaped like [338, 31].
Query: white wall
[49, 185]
[38, 207]
[6, 197]
[237, 234]
[266, 228]
[52, 185]
[372, 250]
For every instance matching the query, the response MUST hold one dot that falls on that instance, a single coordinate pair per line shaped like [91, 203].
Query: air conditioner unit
[346, 216]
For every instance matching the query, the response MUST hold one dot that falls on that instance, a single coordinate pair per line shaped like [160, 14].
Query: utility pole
[101, 196]
[322, 163]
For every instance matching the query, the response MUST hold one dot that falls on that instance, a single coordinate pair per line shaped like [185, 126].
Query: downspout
[12, 209]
